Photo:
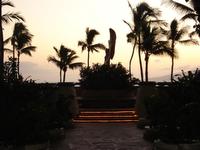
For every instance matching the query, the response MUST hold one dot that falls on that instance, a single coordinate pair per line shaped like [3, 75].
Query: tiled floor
[103, 136]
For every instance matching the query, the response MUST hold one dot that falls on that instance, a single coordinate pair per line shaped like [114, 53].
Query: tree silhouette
[5, 18]
[190, 12]
[21, 42]
[64, 60]
[88, 44]
[152, 45]
[175, 35]
[142, 13]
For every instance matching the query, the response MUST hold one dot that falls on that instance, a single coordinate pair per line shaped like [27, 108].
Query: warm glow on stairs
[125, 115]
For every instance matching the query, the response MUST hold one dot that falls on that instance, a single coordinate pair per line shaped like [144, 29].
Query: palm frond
[28, 50]
[189, 16]
[6, 41]
[9, 17]
[90, 36]
[76, 65]
[7, 3]
[98, 46]
[82, 44]
[128, 25]
[189, 42]
[54, 61]
[8, 50]
[192, 34]
[178, 6]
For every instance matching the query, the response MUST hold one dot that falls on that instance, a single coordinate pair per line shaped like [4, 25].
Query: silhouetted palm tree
[88, 44]
[5, 18]
[64, 60]
[142, 14]
[131, 38]
[152, 45]
[21, 42]
[177, 35]
[190, 12]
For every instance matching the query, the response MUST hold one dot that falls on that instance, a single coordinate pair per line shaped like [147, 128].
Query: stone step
[106, 115]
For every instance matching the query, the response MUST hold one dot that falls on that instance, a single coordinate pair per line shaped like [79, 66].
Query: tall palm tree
[131, 38]
[5, 18]
[152, 45]
[64, 60]
[88, 44]
[142, 13]
[21, 42]
[177, 35]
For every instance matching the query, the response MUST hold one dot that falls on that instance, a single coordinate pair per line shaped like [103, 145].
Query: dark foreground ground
[103, 136]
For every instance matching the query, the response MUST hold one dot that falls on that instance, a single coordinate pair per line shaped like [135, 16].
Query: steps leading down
[120, 115]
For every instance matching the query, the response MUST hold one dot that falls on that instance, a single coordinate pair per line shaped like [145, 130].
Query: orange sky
[64, 22]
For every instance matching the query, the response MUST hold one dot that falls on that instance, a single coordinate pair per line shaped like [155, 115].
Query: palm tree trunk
[147, 67]
[64, 74]
[172, 65]
[60, 75]
[172, 70]
[13, 52]
[140, 61]
[132, 57]
[88, 59]
[18, 55]
[1, 46]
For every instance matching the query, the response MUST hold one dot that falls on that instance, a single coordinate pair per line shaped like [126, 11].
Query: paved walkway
[103, 136]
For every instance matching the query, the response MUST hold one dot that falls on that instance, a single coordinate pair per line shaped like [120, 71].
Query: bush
[28, 111]
[113, 76]
[176, 116]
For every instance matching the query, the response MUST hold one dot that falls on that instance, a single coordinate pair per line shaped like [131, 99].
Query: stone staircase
[118, 115]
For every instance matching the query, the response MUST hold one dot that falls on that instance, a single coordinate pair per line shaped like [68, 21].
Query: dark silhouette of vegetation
[21, 43]
[66, 58]
[29, 112]
[5, 18]
[177, 34]
[142, 14]
[151, 45]
[174, 116]
[88, 43]
[190, 12]
[113, 76]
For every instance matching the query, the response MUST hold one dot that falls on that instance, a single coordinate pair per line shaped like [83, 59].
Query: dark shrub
[28, 111]
[113, 76]
[176, 116]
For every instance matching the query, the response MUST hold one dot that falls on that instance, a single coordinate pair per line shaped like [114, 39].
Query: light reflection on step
[106, 116]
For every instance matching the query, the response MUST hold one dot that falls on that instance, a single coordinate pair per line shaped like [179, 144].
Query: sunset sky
[64, 22]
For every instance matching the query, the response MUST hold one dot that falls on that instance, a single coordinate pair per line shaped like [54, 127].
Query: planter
[107, 98]
[67, 91]
[144, 91]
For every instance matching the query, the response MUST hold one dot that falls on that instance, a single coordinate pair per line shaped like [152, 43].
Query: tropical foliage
[190, 12]
[174, 115]
[151, 45]
[6, 18]
[113, 76]
[65, 60]
[175, 35]
[88, 43]
[142, 14]
[21, 43]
